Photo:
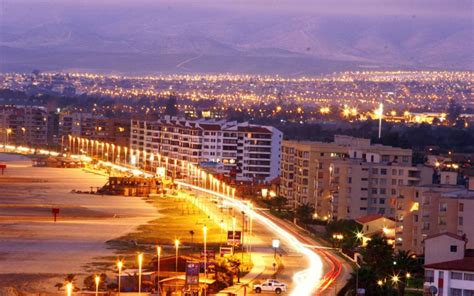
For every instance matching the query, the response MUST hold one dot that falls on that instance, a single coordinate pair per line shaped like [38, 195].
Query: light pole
[69, 289]
[204, 230]
[176, 244]
[275, 245]
[140, 262]
[158, 256]
[97, 281]
[119, 266]
[234, 221]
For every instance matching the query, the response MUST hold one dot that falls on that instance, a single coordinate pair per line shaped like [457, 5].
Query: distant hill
[190, 40]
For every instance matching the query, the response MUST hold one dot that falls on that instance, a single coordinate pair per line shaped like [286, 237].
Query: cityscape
[228, 151]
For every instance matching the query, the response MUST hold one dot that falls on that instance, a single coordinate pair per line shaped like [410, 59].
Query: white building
[449, 267]
[247, 152]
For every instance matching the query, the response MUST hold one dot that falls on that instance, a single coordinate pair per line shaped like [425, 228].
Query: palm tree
[279, 202]
[191, 232]
[59, 286]
[405, 263]
[304, 212]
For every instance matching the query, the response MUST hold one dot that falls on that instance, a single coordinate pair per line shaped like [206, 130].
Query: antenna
[380, 111]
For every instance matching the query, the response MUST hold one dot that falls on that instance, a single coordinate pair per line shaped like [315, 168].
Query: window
[394, 191]
[468, 292]
[469, 276]
[461, 207]
[383, 191]
[460, 220]
[453, 248]
[456, 275]
[443, 207]
[375, 171]
[382, 201]
[383, 171]
[429, 276]
[456, 292]
[374, 190]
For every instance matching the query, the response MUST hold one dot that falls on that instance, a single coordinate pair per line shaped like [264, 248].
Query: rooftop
[465, 264]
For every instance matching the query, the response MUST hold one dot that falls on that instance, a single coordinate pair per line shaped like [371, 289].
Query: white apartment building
[247, 152]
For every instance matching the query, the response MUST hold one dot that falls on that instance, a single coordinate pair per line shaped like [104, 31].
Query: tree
[453, 112]
[191, 232]
[59, 286]
[378, 255]
[279, 202]
[304, 212]
[89, 282]
[405, 263]
[170, 108]
[349, 230]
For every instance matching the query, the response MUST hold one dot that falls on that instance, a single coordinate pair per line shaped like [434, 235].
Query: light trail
[306, 281]
[309, 281]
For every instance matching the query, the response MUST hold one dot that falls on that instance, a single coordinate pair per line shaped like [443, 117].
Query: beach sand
[35, 251]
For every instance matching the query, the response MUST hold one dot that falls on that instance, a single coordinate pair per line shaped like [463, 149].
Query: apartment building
[24, 125]
[347, 178]
[428, 210]
[87, 125]
[247, 152]
[76, 124]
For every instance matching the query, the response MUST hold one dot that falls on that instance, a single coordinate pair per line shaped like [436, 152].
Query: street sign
[55, 212]
[224, 251]
[192, 273]
[234, 241]
[211, 254]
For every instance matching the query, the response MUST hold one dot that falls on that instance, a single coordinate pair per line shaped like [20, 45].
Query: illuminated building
[432, 209]
[248, 152]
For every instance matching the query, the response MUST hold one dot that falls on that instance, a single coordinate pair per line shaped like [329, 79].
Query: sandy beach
[32, 244]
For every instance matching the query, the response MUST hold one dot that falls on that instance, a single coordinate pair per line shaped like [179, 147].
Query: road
[308, 269]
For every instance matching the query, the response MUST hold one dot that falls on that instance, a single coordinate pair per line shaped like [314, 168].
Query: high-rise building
[347, 178]
[95, 127]
[247, 152]
[24, 125]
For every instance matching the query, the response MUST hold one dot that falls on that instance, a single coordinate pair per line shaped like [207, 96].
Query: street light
[176, 245]
[380, 283]
[204, 230]
[275, 245]
[69, 289]
[140, 262]
[119, 267]
[158, 257]
[97, 281]
[395, 279]
[234, 221]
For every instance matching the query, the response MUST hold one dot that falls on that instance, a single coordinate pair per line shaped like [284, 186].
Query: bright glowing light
[305, 281]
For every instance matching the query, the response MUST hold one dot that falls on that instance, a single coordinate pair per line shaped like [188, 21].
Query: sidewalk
[262, 265]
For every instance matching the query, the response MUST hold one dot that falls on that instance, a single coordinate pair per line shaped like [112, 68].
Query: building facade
[428, 210]
[24, 125]
[347, 178]
[247, 152]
